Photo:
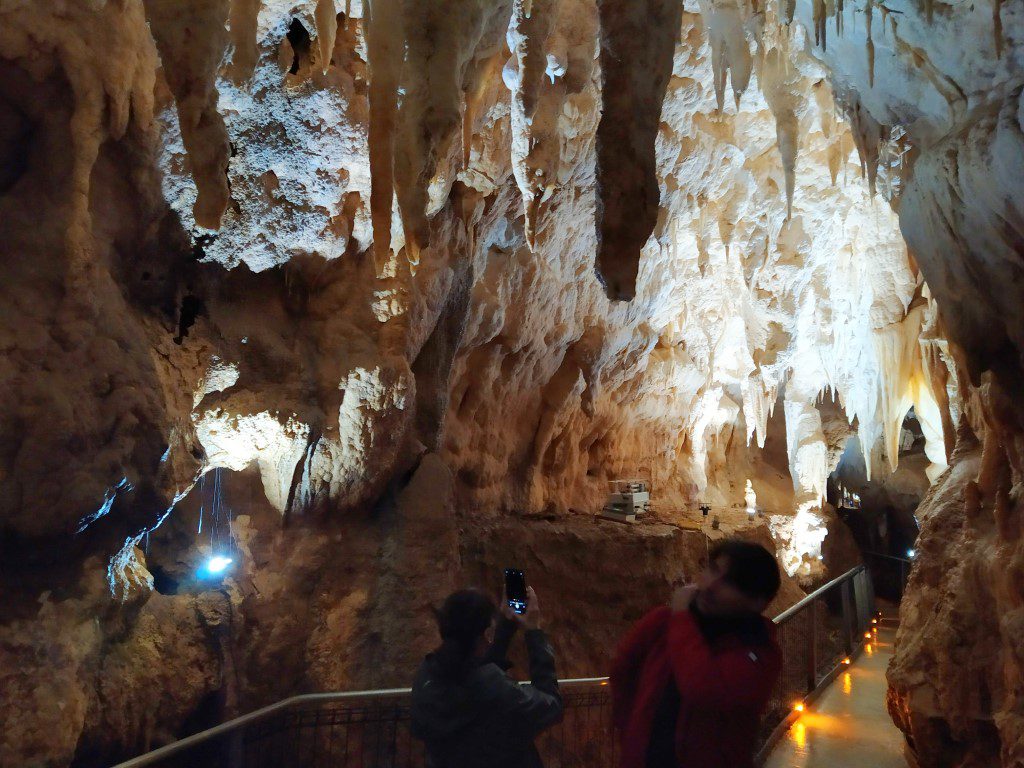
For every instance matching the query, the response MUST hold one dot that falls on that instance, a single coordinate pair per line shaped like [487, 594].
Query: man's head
[741, 578]
[466, 622]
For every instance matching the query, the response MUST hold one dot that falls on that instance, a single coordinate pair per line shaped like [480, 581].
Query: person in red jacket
[692, 679]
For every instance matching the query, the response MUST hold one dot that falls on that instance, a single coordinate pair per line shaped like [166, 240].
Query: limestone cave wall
[407, 283]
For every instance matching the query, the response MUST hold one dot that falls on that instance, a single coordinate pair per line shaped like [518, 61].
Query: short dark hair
[462, 621]
[752, 568]
[465, 615]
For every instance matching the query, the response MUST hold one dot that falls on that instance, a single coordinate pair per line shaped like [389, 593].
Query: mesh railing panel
[373, 731]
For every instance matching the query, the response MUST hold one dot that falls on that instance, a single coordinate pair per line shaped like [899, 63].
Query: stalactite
[528, 35]
[929, 10]
[243, 23]
[777, 79]
[730, 51]
[384, 45]
[326, 29]
[870, 43]
[820, 21]
[191, 36]
[868, 136]
[438, 54]
[638, 42]
[997, 27]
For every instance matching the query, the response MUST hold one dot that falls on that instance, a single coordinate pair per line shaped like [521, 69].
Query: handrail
[906, 560]
[155, 756]
[797, 607]
[260, 714]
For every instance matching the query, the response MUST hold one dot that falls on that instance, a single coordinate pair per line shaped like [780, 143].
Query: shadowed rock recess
[375, 299]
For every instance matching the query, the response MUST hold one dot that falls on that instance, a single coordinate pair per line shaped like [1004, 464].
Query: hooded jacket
[486, 720]
[722, 685]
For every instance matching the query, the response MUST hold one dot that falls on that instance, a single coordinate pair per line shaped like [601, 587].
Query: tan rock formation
[355, 260]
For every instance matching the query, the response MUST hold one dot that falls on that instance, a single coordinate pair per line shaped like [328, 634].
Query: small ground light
[216, 565]
[847, 660]
[874, 621]
[911, 553]
[867, 635]
[798, 707]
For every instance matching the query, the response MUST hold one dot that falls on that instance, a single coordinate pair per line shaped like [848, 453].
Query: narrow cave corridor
[315, 312]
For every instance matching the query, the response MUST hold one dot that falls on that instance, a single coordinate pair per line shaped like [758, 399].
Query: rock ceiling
[552, 241]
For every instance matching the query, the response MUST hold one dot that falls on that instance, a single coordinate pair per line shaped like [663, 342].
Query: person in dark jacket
[691, 680]
[465, 708]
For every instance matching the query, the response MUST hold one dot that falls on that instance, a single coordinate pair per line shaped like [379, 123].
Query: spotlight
[867, 635]
[215, 566]
[798, 707]
[911, 553]
[847, 660]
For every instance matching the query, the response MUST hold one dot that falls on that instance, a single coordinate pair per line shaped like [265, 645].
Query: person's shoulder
[488, 680]
[658, 615]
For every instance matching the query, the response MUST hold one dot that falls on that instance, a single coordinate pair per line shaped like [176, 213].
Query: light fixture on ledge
[216, 565]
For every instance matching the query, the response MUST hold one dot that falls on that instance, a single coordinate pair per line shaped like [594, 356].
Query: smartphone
[515, 589]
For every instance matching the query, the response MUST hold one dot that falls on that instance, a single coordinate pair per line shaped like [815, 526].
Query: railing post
[812, 647]
[848, 619]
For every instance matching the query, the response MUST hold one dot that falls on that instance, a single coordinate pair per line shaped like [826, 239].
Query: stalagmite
[326, 29]
[191, 38]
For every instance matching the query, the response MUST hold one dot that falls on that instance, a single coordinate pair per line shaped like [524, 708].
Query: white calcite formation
[351, 251]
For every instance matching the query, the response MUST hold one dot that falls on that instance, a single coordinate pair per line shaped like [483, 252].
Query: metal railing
[370, 729]
[818, 637]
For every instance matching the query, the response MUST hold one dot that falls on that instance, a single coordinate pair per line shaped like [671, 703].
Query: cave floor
[848, 725]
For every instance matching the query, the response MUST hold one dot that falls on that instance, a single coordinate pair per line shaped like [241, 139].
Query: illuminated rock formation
[345, 254]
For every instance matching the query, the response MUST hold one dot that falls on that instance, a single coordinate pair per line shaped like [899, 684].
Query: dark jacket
[487, 720]
[722, 684]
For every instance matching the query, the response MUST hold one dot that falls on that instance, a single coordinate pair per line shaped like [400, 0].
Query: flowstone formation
[362, 267]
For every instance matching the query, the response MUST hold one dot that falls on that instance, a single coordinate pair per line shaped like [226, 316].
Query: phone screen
[515, 589]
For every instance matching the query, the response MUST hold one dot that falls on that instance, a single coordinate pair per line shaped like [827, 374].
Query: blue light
[911, 553]
[215, 566]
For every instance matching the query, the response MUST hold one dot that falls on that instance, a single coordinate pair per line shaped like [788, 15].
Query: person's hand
[506, 609]
[682, 598]
[530, 619]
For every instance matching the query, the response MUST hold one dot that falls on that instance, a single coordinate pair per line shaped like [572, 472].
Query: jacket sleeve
[727, 681]
[629, 659]
[532, 708]
[497, 653]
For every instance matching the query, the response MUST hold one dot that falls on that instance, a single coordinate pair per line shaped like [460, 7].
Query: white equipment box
[627, 500]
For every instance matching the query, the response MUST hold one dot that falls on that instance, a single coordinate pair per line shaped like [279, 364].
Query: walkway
[848, 725]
